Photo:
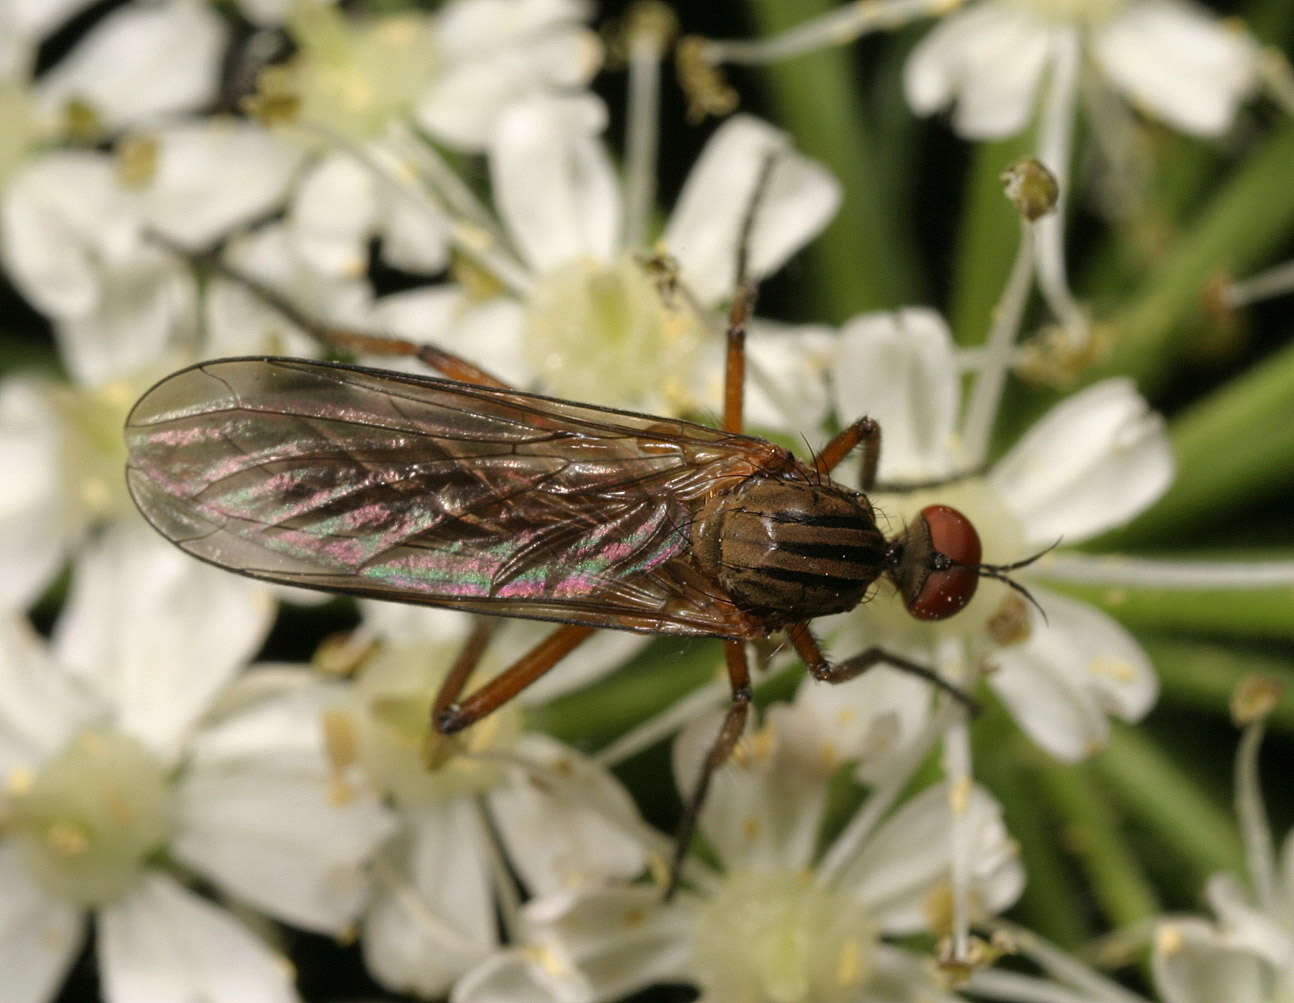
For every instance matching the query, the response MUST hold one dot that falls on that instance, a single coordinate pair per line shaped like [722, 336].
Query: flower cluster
[232, 789]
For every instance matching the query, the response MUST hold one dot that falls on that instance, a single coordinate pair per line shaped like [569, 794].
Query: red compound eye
[953, 542]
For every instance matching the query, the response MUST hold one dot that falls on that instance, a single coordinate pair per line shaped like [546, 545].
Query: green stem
[1238, 229]
[1234, 447]
[1236, 613]
[1156, 790]
[1204, 676]
[987, 237]
[866, 259]
[1094, 834]
[1050, 889]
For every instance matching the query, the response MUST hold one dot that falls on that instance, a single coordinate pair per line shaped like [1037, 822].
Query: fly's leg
[340, 339]
[840, 672]
[743, 303]
[734, 387]
[724, 742]
[865, 433]
[449, 714]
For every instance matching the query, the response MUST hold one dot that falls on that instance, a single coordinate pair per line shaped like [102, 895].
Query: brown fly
[465, 494]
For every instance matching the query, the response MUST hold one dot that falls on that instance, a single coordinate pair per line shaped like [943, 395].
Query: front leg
[866, 433]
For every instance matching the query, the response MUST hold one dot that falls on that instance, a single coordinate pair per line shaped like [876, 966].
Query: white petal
[72, 239]
[469, 27]
[414, 238]
[564, 837]
[270, 714]
[420, 936]
[1247, 926]
[63, 215]
[509, 976]
[765, 804]
[1192, 963]
[36, 18]
[988, 60]
[34, 523]
[899, 368]
[280, 841]
[1069, 673]
[786, 375]
[1092, 462]
[161, 943]
[41, 706]
[499, 52]
[619, 939]
[912, 851]
[40, 936]
[487, 334]
[213, 176]
[333, 215]
[241, 323]
[400, 625]
[900, 976]
[156, 632]
[554, 184]
[146, 306]
[867, 719]
[1178, 62]
[266, 13]
[141, 62]
[799, 200]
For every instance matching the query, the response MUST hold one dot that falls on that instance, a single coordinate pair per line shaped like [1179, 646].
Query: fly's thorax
[790, 550]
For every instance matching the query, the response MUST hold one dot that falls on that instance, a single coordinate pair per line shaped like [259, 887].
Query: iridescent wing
[429, 491]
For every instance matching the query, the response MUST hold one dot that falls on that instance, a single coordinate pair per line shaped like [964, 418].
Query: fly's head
[936, 564]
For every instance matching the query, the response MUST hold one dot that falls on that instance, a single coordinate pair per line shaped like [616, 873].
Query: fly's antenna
[999, 572]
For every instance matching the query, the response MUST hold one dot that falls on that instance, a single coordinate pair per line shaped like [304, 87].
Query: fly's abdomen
[793, 549]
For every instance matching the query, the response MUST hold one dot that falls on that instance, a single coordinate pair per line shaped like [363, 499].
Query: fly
[466, 494]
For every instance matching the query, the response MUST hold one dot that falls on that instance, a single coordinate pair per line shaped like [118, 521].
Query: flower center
[779, 938]
[356, 76]
[1072, 11]
[606, 332]
[92, 816]
[395, 694]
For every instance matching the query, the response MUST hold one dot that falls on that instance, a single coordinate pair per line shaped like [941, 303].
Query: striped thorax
[790, 549]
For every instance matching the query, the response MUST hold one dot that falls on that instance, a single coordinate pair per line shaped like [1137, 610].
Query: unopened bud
[1254, 698]
[1031, 188]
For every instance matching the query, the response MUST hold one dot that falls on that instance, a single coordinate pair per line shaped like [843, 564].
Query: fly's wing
[430, 491]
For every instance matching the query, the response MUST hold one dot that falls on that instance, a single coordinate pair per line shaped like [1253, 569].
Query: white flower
[138, 63]
[73, 235]
[1247, 954]
[563, 822]
[599, 328]
[779, 922]
[141, 63]
[585, 318]
[454, 71]
[1167, 57]
[1005, 64]
[116, 756]
[1090, 464]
